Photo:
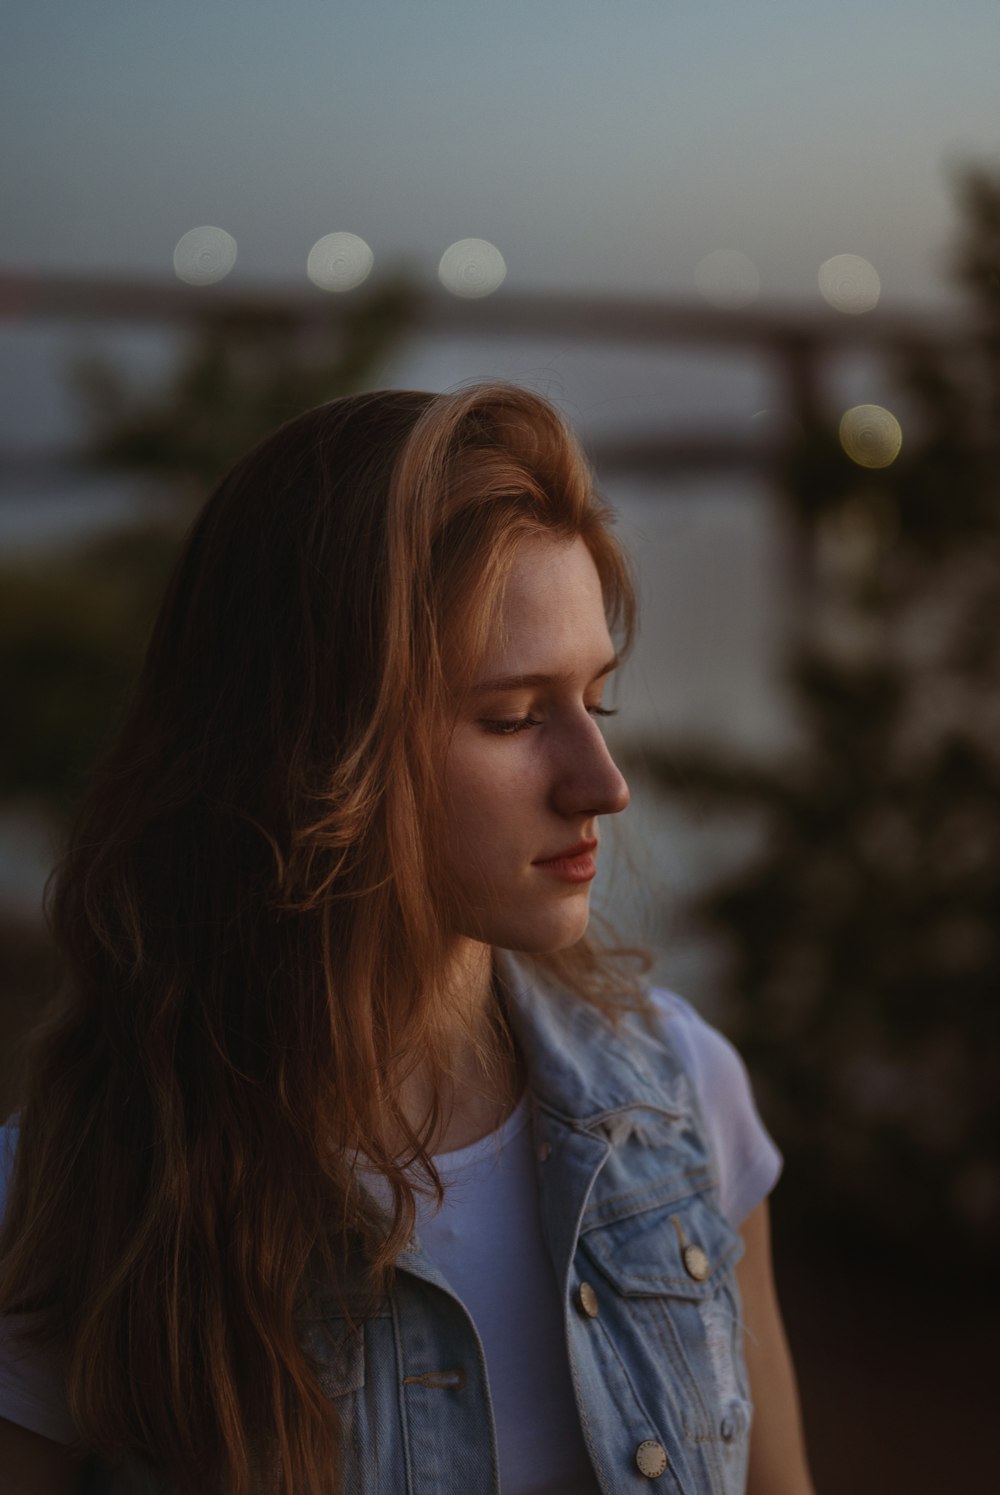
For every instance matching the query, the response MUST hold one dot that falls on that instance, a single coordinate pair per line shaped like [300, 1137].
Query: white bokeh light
[849, 283]
[339, 262]
[472, 267]
[204, 255]
[871, 435]
[727, 277]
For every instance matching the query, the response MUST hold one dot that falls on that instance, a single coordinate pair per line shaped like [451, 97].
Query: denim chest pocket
[355, 1367]
[337, 1351]
[660, 1241]
[671, 1309]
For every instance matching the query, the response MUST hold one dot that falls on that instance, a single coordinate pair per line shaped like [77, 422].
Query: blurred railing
[796, 344]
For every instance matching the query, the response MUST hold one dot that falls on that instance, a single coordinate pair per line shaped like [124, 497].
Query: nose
[589, 781]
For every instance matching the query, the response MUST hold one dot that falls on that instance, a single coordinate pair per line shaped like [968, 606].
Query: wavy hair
[251, 961]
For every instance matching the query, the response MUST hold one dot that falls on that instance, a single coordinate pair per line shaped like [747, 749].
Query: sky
[599, 144]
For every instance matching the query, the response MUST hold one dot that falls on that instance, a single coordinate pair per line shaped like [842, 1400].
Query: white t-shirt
[487, 1242]
[486, 1239]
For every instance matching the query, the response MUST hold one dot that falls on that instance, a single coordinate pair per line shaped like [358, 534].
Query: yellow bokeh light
[849, 283]
[204, 255]
[472, 267]
[871, 435]
[339, 262]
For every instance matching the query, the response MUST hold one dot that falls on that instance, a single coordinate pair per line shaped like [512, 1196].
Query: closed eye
[507, 726]
[510, 725]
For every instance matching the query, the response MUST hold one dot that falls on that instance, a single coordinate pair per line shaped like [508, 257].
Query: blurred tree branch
[864, 938]
[243, 375]
[73, 625]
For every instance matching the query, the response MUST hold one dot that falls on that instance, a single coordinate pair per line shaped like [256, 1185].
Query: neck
[479, 1092]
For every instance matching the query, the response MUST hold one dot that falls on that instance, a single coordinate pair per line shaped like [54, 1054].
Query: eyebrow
[521, 682]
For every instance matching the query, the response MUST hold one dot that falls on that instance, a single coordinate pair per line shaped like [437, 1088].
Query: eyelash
[509, 726]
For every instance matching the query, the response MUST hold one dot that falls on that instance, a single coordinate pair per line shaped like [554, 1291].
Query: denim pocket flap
[337, 1353]
[681, 1249]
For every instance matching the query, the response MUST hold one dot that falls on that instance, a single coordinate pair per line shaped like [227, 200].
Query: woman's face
[528, 771]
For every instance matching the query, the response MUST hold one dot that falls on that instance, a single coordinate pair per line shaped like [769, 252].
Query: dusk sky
[599, 146]
[603, 144]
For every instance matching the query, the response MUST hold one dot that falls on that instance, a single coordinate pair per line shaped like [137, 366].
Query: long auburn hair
[251, 960]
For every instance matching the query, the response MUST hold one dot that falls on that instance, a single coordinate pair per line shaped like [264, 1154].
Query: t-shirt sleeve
[747, 1161]
[31, 1382]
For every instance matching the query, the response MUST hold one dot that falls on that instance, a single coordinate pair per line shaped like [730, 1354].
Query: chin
[540, 928]
[546, 936]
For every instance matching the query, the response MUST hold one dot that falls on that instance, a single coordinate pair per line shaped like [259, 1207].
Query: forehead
[551, 613]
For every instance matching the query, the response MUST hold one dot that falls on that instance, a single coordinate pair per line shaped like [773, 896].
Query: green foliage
[864, 936]
[249, 370]
[72, 633]
[73, 625]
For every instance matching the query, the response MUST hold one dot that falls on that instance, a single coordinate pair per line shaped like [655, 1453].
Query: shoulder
[9, 1133]
[712, 1062]
[31, 1389]
[747, 1162]
[33, 1462]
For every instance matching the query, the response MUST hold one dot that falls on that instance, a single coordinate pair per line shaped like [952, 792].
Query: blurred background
[753, 253]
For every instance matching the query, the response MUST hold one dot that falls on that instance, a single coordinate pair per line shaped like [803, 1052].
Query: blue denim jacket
[629, 1207]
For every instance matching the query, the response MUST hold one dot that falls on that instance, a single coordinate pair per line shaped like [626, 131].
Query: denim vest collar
[580, 1067]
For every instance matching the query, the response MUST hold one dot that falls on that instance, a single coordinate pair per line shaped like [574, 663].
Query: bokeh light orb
[472, 267]
[849, 283]
[339, 262]
[871, 435]
[727, 277]
[204, 255]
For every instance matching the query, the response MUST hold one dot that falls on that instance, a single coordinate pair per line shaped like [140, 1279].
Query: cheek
[491, 792]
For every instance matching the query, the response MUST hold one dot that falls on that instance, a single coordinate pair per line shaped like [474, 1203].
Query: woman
[350, 1162]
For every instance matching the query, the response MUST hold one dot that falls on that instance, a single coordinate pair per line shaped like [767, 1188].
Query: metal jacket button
[695, 1262]
[587, 1299]
[734, 1422]
[651, 1458]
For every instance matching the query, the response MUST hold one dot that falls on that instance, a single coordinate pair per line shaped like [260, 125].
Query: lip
[575, 864]
[571, 853]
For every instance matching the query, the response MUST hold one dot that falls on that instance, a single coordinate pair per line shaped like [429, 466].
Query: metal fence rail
[796, 344]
